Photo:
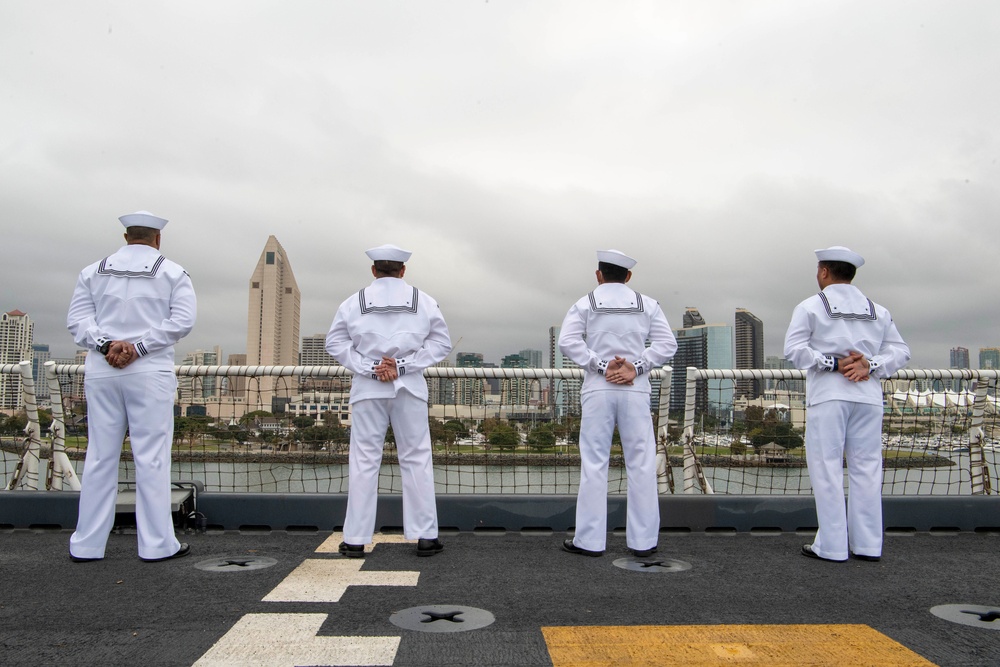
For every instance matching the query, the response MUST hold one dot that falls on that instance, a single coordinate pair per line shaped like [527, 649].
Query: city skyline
[318, 354]
[700, 345]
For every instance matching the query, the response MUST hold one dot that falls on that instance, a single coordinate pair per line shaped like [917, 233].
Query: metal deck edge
[324, 511]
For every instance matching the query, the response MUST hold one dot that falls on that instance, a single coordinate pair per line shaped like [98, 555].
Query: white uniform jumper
[844, 417]
[614, 320]
[392, 319]
[139, 296]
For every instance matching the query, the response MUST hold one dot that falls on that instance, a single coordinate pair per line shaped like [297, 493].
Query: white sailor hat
[388, 253]
[616, 257]
[143, 219]
[839, 253]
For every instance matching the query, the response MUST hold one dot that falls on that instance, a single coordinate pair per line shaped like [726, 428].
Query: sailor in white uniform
[129, 310]
[387, 334]
[846, 343]
[606, 334]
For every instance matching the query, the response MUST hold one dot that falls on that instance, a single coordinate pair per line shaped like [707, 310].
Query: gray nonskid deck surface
[122, 611]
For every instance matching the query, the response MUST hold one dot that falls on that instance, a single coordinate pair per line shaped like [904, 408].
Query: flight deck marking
[442, 618]
[287, 640]
[710, 645]
[326, 580]
[280, 640]
[331, 543]
[977, 616]
[657, 566]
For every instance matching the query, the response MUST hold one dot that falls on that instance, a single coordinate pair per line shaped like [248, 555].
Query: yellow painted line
[711, 645]
[331, 543]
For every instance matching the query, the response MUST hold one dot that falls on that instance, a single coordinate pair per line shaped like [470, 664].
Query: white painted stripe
[287, 640]
[325, 580]
[331, 543]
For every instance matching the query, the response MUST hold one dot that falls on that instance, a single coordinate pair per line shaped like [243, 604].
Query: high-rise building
[515, 391]
[469, 391]
[565, 394]
[514, 361]
[532, 358]
[235, 386]
[780, 363]
[76, 385]
[39, 355]
[703, 346]
[749, 350]
[16, 338]
[313, 353]
[441, 391]
[492, 383]
[692, 318]
[989, 358]
[468, 359]
[196, 388]
[958, 358]
[272, 323]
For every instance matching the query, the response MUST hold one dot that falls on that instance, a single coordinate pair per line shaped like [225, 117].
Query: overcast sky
[503, 142]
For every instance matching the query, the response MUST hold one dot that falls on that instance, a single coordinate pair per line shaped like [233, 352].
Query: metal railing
[939, 431]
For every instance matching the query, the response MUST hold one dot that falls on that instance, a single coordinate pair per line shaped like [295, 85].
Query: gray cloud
[504, 142]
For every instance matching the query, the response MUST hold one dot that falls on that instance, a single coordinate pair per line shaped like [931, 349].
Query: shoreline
[478, 458]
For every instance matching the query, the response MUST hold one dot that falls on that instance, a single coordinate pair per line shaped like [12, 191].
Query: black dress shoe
[808, 552]
[573, 549]
[429, 547]
[870, 559]
[79, 559]
[642, 553]
[351, 550]
[183, 551]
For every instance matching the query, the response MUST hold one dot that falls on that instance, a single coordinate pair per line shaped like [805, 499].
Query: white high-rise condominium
[16, 337]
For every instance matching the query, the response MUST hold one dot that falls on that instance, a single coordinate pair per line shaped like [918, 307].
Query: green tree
[190, 428]
[303, 421]
[331, 419]
[440, 433]
[773, 429]
[504, 437]
[16, 423]
[753, 416]
[315, 437]
[44, 419]
[542, 436]
[460, 429]
[240, 435]
[568, 428]
[251, 416]
[488, 426]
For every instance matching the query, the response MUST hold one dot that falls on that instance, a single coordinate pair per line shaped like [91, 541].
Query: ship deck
[259, 596]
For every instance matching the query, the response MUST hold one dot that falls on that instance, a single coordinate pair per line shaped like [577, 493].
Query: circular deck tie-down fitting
[235, 564]
[975, 615]
[652, 564]
[441, 618]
